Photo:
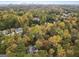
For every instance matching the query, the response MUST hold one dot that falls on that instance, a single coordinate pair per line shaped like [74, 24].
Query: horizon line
[39, 2]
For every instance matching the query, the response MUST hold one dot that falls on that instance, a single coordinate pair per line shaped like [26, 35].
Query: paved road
[1, 55]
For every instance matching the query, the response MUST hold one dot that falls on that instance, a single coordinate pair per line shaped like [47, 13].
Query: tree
[16, 47]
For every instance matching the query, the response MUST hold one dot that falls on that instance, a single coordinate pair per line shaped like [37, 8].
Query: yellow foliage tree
[55, 39]
[39, 43]
[61, 24]
[66, 34]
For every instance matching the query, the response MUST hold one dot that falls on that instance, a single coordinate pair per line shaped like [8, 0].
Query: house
[12, 31]
[19, 30]
[32, 49]
[36, 20]
[4, 32]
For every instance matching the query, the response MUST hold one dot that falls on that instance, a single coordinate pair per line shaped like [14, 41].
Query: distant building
[19, 30]
[36, 20]
[12, 31]
[51, 20]
[32, 49]
[65, 15]
[5, 32]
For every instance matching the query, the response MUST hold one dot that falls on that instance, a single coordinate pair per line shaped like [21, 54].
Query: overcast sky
[39, 1]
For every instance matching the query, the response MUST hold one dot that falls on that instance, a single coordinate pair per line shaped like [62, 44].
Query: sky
[39, 1]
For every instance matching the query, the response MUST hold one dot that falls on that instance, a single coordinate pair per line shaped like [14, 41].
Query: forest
[39, 30]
